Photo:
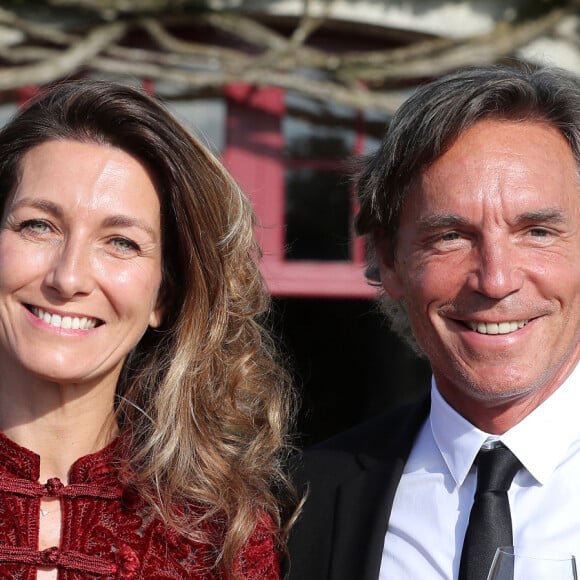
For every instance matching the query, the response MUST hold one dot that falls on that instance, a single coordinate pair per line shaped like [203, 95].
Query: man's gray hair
[428, 124]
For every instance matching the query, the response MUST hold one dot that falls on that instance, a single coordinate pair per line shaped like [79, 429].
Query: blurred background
[287, 93]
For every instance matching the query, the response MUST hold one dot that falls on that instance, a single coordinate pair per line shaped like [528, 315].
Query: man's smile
[496, 327]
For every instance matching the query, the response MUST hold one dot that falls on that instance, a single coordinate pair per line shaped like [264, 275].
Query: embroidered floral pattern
[107, 531]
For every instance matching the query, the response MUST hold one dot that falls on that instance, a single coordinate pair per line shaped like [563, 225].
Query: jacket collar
[364, 502]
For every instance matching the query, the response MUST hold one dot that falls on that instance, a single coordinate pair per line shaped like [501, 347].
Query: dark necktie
[490, 522]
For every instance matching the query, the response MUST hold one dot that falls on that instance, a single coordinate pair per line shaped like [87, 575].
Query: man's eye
[449, 236]
[539, 232]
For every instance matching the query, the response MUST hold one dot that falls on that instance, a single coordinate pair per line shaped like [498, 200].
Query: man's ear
[389, 268]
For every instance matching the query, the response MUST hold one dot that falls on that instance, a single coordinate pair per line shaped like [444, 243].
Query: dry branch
[433, 58]
[66, 62]
[54, 50]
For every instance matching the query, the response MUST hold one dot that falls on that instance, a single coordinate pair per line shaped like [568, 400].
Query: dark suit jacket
[351, 481]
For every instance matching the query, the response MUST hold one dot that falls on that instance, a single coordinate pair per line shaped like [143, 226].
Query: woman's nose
[71, 272]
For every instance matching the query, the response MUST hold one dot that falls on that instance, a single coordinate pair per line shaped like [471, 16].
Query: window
[204, 117]
[291, 154]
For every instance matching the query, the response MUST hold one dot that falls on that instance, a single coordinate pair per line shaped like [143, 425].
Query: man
[472, 205]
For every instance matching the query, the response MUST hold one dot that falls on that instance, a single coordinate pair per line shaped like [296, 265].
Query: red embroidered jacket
[107, 532]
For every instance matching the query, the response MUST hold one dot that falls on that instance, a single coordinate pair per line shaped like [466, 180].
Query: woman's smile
[80, 251]
[66, 321]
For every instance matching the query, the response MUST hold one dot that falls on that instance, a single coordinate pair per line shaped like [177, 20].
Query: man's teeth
[496, 327]
[58, 321]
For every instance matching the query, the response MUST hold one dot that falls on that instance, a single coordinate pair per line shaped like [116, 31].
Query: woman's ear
[390, 275]
[156, 317]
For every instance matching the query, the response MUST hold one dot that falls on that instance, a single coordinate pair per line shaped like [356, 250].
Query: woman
[143, 415]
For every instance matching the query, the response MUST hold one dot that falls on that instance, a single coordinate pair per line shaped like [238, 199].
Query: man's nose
[498, 271]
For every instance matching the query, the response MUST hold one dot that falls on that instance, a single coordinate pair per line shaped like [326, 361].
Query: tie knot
[496, 468]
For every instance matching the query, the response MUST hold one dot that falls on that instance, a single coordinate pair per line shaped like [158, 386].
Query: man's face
[487, 260]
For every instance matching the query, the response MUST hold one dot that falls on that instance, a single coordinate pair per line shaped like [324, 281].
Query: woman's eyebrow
[125, 221]
[119, 220]
[41, 204]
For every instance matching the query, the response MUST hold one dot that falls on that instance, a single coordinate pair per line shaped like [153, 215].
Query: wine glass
[514, 563]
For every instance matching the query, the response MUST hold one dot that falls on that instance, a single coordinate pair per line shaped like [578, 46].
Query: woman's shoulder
[259, 557]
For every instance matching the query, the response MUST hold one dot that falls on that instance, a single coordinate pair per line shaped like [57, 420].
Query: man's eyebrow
[440, 221]
[550, 215]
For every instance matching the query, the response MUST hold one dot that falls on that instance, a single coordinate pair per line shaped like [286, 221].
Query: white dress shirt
[435, 495]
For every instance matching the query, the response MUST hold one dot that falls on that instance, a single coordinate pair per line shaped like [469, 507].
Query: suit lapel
[361, 522]
[364, 503]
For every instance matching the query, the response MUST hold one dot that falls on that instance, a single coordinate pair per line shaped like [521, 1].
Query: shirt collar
[459, 441]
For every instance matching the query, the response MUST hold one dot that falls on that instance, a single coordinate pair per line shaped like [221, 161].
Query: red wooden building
[292, 155]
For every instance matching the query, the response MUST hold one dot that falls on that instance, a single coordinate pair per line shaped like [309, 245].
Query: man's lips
[64, 320]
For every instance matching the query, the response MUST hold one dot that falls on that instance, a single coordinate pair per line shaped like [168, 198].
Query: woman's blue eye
[124, 244]
[35, 226]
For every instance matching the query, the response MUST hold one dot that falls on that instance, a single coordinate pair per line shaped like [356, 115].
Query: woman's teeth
[59, 321]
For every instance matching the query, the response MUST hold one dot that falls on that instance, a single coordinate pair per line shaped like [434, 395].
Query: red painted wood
[254, 154]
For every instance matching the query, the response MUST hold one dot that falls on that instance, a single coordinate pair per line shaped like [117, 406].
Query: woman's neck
[58, 422]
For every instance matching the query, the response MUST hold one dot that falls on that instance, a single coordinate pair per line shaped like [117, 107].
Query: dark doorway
[347, 364]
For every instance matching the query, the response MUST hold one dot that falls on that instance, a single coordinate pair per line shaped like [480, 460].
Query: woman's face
[80, 264]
